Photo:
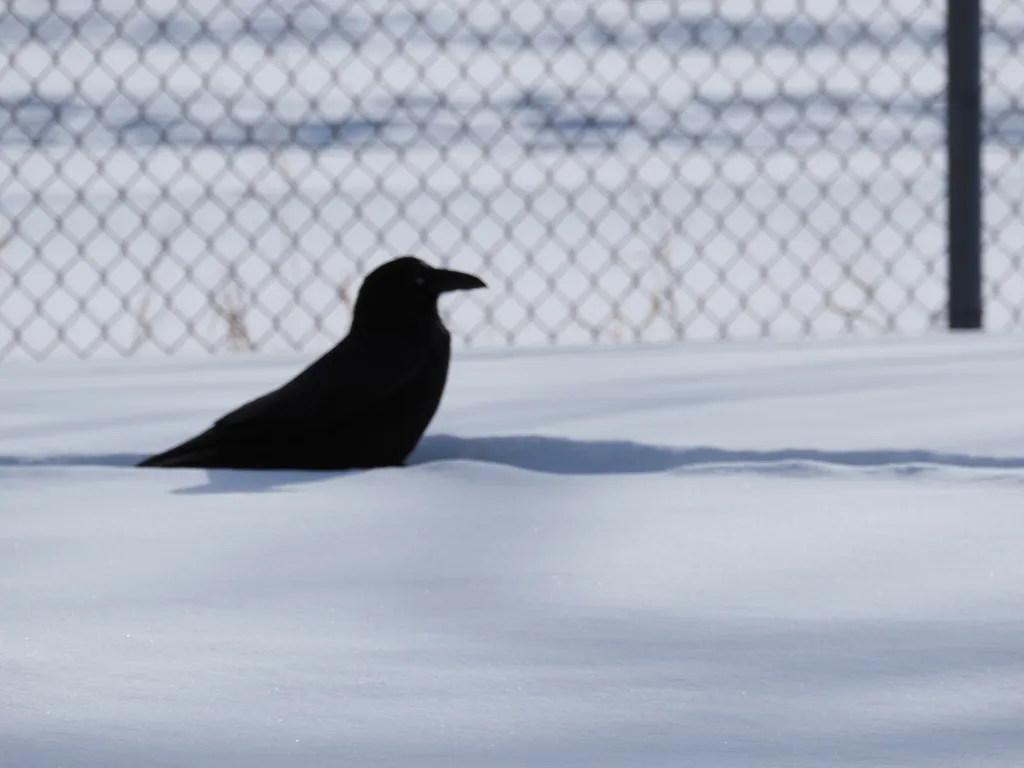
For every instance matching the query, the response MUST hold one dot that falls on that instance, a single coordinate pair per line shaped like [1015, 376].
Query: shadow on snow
[562, 456]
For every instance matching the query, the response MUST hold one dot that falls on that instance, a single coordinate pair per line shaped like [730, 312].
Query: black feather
[365, 403]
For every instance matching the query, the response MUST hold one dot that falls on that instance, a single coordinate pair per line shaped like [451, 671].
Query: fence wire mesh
[1003, 135]
[193, 175]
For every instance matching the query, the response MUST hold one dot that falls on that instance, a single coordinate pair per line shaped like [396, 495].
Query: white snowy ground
[696, 555]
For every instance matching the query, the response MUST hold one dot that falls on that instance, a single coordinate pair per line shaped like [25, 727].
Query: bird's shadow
[564, 456]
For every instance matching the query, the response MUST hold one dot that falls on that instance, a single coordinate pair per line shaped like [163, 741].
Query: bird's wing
[358, 374]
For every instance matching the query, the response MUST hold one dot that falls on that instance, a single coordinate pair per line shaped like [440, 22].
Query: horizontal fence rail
[202, 176]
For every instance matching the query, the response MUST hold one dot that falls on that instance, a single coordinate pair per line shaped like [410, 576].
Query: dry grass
[862, 312]
[141, 312]
[232, 308]
[663, 296]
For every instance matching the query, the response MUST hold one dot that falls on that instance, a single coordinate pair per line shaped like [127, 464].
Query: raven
[365, 403]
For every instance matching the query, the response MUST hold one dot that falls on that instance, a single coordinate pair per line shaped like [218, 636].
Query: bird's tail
[201, 451]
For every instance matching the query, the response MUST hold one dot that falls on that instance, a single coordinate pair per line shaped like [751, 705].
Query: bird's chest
[434, 375]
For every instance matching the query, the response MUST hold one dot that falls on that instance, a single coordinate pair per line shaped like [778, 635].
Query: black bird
[365, 403]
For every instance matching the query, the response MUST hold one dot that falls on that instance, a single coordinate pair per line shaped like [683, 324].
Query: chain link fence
[189, 175]
[1002, 169]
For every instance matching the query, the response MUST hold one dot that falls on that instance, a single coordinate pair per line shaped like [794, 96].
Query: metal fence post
[963, 50]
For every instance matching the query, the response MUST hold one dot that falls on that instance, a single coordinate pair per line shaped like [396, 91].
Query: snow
[771, 554]
[749, 554]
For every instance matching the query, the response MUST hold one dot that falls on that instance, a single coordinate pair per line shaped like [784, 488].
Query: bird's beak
[445, 280]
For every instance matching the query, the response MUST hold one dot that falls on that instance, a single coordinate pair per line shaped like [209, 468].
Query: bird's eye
[419, 279]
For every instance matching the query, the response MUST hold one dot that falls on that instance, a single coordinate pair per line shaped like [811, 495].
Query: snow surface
[774, 554]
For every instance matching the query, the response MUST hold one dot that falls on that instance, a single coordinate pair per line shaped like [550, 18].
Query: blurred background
[198, 177]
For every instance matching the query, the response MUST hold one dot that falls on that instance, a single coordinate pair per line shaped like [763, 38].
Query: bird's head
[404, 292]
